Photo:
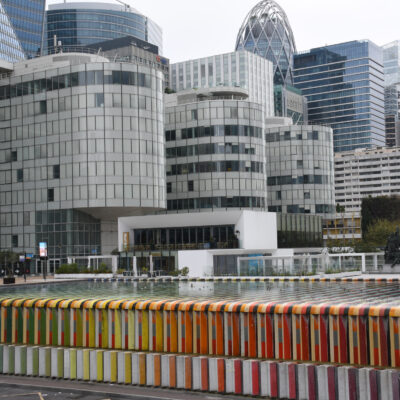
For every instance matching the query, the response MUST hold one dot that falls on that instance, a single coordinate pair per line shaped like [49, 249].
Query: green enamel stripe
[20, 325]
[42, 325]
[79, 328]
[72, 359]
[23, 360]
[60, 363]
[35, 361]
[31, 326]
[8, 324]
[11, 359]
[1, 357]
[54, 326]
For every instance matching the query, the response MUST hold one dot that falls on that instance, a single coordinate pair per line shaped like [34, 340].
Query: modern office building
[82, 24]
[131, 49]
[300, 169]
[366, 172]
[239, 69]
[266, 31]
[82, 142]
[391, 62]
[392, 115]
[344, 86]
[289, 103]
[391, 67]
[215, 150]
[21, 26]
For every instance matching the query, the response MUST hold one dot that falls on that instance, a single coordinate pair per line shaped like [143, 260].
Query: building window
[14, 155]
[299, 163]
[279, 195]
[287, 135]
[50, 194]
[307, 195]
[14, 240]
[99, 99]
[169, 187]
[190, 186]
[56, 171]
[20, 175]
[194, 114]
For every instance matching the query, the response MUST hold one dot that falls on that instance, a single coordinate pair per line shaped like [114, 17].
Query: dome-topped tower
[266, 31]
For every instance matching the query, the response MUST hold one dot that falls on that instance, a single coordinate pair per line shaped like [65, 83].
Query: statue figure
[392, 249]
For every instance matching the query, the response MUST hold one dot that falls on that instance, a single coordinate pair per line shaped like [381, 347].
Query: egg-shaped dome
[266, 31]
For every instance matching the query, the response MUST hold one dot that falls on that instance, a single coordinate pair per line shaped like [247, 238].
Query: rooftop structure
[85, 23]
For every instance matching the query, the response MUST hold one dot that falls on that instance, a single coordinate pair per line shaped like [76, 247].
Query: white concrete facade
[256, 231]
[366, 172]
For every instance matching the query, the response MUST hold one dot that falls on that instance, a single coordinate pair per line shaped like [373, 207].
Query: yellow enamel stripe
[131, 329]
[117, 328]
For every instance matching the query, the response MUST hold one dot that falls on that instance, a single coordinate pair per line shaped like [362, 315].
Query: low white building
[208, 243]
[366, 172]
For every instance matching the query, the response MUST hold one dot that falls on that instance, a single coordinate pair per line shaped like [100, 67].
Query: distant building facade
[300, 169]
[344, 86]
[240, 69]
[366, 172]
[391, 66]
[84, 23]
[289, 102]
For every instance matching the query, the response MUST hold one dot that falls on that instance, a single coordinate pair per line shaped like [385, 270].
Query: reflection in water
[337, 292]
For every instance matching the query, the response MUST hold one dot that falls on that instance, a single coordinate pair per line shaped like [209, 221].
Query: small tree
[379, 231]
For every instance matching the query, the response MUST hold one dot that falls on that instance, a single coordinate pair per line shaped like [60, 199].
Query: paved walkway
[19, 280]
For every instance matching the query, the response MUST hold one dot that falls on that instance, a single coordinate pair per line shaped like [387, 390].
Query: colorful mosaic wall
[358, 335]
[278, 380]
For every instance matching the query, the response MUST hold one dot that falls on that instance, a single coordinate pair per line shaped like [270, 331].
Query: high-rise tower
[266, 31]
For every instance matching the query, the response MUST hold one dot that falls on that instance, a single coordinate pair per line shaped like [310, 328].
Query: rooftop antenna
[127, 6]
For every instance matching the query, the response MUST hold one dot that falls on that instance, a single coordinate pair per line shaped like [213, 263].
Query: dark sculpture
[392, 249]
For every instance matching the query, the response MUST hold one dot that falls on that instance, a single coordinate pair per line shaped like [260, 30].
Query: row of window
[186, 235]
[209, 148]
[216, 166]
[74, 79]
[215, 130]
[300, 180]
[216, 202]
[285, 136]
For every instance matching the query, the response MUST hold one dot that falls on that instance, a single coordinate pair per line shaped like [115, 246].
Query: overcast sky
[193, 29]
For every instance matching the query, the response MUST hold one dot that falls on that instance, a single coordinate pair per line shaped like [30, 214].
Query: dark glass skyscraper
[266, 31]
[83, 24]
[344, 86]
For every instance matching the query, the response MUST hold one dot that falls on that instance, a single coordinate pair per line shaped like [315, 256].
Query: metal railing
[303, 265]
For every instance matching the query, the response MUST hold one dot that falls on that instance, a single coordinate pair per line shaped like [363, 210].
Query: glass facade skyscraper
[83, 24]
[26, 18]
[266, 31]
[344, 86]
[21, 27]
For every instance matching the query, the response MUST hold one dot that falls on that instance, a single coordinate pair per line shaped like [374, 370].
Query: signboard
[29, 256]
[125, 240]
[254, 263]
[22, 258]
[43, 250]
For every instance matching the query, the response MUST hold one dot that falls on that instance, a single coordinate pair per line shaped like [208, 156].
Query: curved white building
[215, 150]
[82, 142]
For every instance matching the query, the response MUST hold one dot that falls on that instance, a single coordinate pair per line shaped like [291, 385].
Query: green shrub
[68, 269]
